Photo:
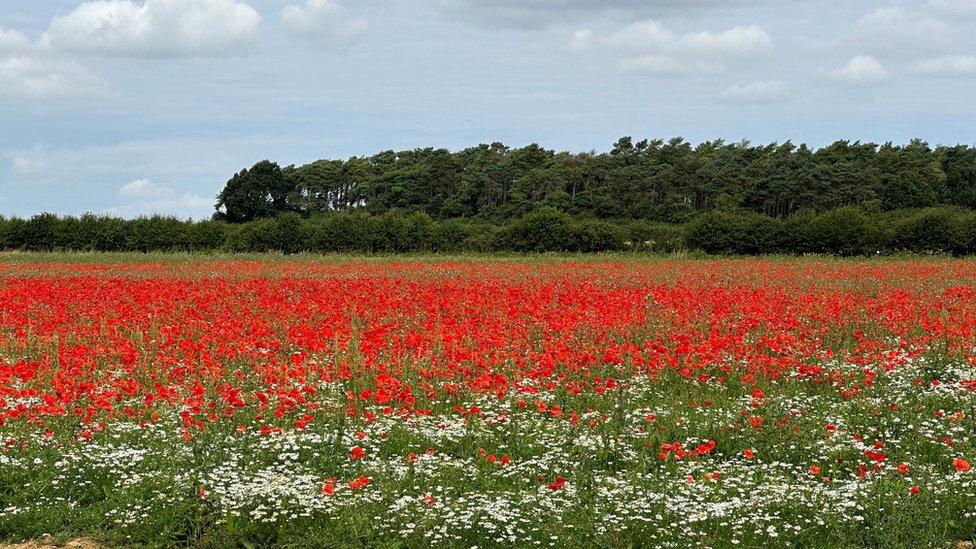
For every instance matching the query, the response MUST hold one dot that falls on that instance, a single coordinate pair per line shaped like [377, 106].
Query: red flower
[557, 484]
[357, 453]
[358, 483]
[961, 465]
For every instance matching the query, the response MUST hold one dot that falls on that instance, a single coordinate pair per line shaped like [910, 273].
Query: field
[459, 403]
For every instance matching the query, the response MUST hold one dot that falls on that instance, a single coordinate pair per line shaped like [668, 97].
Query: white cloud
[184, 206]
[581, 39]
[642, 36]
[144, 188]
[650, 46]
[948, 65]
[24, 164]
[89, 177]
[665, 64]
[155, 28]
[40, 77]
[758, 92]
[148, 198]
[651, 36]
[860, 70]
[13, 41]
[324, 20]
[896, 29]
[735, 41]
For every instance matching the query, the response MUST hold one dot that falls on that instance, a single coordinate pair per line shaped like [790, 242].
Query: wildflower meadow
[181, 401]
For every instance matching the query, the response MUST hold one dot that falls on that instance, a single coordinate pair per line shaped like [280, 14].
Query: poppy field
[489, 403]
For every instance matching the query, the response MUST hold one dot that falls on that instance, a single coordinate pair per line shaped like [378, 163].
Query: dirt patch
[51, 543]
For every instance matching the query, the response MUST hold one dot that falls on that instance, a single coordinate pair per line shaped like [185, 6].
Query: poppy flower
[961, 465]
[557, 484]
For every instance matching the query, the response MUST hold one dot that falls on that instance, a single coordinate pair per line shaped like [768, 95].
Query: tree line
[849, 231]
[652, 180]
[848, 198]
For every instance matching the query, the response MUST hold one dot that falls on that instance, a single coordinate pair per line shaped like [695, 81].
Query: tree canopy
[666, 181]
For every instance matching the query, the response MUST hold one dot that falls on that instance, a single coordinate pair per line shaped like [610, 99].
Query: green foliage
[291, 235]
[259, 192]
[649, 236]
[845, 231]
[930, 230]
[206, 235]
[342, 233]
[257, 236]
[543, 230]
[668, 182]
[598, 236]
[740, 232]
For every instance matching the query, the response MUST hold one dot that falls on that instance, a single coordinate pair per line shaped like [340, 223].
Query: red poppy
[557, 484]
[961, 465]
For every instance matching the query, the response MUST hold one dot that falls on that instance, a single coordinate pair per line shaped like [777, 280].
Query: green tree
[259, 192]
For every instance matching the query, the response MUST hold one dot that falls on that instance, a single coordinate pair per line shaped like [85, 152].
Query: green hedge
[541, 231]
[848, 231]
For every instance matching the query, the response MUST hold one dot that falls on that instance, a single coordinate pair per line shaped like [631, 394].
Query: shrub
[108, 233]
[449, 235]
[927, 230]
[647, 236]
[598, 236]
[343, 232]
[845, 231]
[966, 243]
[734, 232]
[145, 234]
[206, 235]
[254, 236]
[485, 239]
[291, 235]
[45, 232]
[544, 230]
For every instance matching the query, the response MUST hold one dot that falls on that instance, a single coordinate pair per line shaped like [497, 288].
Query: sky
[134, 107]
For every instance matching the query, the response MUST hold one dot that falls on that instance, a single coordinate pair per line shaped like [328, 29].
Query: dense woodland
[660, 181]
[651, 196]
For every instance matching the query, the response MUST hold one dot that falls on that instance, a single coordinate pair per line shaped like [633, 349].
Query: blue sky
[134, 107]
